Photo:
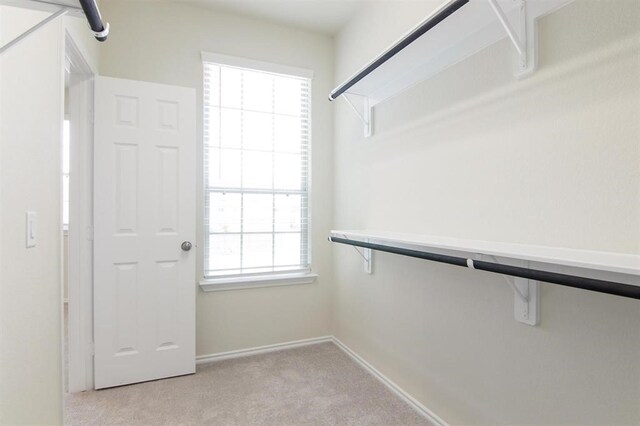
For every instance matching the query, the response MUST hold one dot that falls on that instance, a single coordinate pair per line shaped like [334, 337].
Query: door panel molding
[145, 197]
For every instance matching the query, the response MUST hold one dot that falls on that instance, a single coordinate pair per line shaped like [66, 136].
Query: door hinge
[89, 231]
[92, 348]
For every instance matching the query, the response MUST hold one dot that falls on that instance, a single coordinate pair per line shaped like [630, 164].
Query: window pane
[287, 249]
[287, 171]
[257, 169]
[258, 212]
[224, 251]
[288, 210]
[222, 167]
[289, 95]
[231, 85]
[257, 250]
[230, 127]
[257, 131]
[258, 91]
[224, 212]
[287, 133]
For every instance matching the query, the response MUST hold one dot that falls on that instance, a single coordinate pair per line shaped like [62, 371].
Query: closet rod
[600, 286]
[438, 17]
[91, 11]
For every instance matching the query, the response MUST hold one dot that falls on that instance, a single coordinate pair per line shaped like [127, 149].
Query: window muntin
[256, 151]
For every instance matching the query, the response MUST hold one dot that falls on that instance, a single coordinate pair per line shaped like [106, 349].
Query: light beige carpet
[312, 385]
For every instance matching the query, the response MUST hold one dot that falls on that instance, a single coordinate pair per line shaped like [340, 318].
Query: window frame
[262, 279]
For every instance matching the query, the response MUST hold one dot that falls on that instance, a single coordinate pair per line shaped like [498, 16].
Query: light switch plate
[31, 229]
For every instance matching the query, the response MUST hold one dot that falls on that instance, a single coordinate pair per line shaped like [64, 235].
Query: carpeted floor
[311, 385]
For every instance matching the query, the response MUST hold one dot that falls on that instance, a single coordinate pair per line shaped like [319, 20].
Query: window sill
[223, 284]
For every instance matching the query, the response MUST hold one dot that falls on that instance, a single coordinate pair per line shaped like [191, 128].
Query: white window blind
[256, 153]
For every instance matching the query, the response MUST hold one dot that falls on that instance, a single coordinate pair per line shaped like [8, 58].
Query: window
[256, 169]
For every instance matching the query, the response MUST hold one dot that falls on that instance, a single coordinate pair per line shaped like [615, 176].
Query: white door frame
[80, 260]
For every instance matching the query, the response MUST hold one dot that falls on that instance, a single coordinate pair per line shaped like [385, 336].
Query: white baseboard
[414, 403]
[204, 359]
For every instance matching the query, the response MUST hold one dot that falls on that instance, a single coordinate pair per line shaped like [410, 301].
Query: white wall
[161, 42]
[474, 153]
[30, 298]
[31, 113]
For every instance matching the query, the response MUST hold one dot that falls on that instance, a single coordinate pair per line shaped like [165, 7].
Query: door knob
[186, 245]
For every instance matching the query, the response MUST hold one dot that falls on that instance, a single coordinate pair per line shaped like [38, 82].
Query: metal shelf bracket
[366, 115]
[526, 297]
[526, 309]
[33, 29]
[523, 37]
[366, 254]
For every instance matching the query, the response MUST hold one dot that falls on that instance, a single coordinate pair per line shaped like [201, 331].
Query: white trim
[402, 394]
[205, 359]
[256, 281]
[80, 256]
[236, 61]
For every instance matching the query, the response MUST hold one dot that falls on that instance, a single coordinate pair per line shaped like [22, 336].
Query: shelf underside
[468, 30]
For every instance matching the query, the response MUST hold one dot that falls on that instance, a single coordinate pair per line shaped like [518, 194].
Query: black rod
[92, 13]
[584, 283]
[407, 40]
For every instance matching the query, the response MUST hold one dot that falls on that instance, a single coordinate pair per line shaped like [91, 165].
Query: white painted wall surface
[474, 153]
[161, 42]
[31, 111]
[30, 298]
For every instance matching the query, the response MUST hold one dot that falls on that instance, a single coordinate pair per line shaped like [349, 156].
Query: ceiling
[325, 16]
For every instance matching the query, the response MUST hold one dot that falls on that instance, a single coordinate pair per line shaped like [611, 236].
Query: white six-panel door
[144, 189]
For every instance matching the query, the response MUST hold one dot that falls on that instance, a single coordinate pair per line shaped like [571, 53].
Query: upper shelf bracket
[36, 27]
[365, 115]
[523, 37]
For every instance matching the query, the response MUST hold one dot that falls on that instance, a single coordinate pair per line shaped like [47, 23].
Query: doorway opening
[77, 223]
[66, 157]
